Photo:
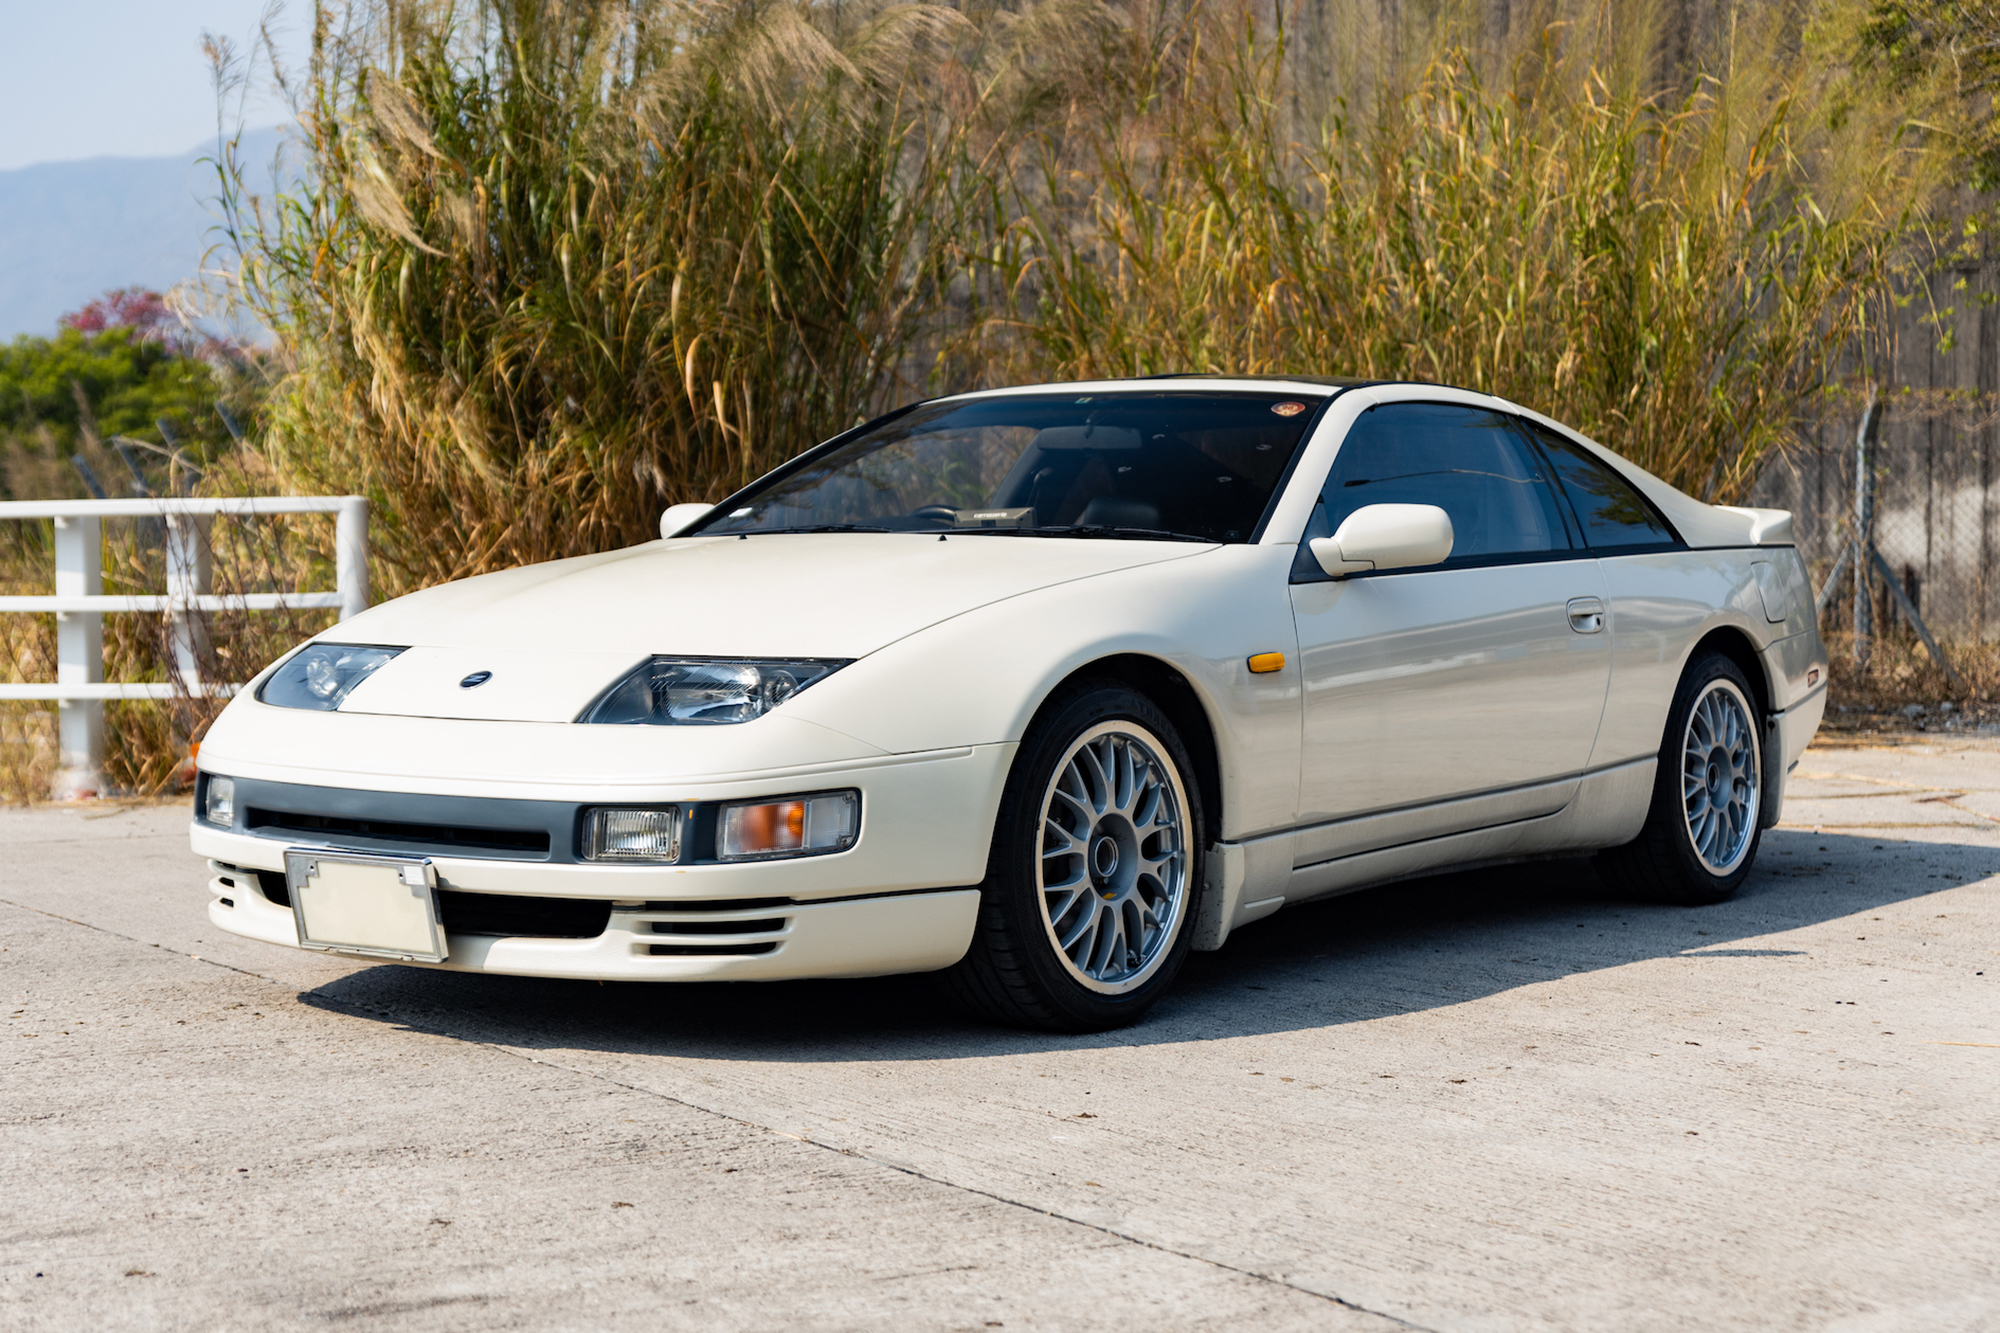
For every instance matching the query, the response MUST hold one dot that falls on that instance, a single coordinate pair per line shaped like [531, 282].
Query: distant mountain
[70, 230]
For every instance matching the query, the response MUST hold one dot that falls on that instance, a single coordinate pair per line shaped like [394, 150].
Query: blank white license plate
[377, 906]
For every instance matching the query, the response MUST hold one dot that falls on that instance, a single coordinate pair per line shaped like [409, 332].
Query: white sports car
[1040, 687]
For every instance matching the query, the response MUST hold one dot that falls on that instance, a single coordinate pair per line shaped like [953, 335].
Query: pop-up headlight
[678, 691]
[322, 675]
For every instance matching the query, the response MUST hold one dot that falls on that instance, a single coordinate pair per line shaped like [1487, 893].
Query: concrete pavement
[1502, 1100]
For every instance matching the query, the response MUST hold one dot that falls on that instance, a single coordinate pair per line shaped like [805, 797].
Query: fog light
[797, 826]
[219, 804]
[632, 835]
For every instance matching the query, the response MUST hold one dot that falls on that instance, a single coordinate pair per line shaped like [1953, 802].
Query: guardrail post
[80, 657]
[189, 574]
[350, 556]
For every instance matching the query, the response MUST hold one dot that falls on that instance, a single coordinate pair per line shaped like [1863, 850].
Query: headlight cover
[322, 675]
[692, 691]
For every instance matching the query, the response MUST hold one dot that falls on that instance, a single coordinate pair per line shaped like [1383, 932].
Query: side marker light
[1262, 664]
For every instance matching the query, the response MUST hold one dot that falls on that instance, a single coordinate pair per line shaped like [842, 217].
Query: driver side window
[1467, 461]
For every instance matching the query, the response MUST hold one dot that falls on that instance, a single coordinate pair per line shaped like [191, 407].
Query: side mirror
[1377, 537]
[678, 518]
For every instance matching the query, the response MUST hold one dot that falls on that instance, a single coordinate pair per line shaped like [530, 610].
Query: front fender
[984, 674]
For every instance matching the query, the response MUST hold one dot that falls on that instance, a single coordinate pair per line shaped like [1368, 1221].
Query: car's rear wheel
[1086, 912]
[1702, 830]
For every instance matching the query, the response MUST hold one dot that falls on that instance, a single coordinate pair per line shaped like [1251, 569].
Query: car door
[1458, 696]
[1655, 604]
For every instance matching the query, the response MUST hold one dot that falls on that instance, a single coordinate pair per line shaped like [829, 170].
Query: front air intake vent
[707, 905]
[274, 886]
[715, 929]
[745, 949]
[765, 927]
[518, 914]
[399, 834]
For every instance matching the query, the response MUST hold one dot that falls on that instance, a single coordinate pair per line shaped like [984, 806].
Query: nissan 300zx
[1039, 689]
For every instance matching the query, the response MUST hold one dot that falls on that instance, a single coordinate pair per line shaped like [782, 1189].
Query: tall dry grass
[558, 266]
[1675, 270]
[552, 267]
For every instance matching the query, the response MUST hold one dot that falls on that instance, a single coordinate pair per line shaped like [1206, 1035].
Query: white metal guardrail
[80, 605]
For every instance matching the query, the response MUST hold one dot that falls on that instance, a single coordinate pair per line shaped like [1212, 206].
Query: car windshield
[1196, 466]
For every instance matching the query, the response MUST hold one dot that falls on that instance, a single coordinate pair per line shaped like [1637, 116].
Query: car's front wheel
[1086, 912]
[1702, 831]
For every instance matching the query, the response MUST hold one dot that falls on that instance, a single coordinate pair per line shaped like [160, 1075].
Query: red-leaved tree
[139, 309]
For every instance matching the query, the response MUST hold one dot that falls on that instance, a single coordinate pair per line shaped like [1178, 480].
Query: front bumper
[897, 901]
[855, 937]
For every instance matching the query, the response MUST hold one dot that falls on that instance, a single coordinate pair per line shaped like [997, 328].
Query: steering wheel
[942, 513]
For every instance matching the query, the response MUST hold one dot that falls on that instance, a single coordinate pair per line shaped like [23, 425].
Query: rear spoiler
[1768, 527]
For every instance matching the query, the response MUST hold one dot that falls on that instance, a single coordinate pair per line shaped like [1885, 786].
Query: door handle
[1586, 614]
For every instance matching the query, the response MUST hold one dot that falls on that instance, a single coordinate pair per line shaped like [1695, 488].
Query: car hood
[555, 635]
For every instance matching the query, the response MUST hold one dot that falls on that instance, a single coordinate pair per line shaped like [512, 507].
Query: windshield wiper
[1128, 534]
[1074, 530]
[815, 527]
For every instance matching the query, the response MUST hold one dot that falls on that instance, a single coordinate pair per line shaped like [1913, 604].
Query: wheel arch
[1734, 644]
[1175, 695]
[1738, 647]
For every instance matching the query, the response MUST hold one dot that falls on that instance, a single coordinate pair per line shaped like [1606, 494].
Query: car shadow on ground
[1416, 945]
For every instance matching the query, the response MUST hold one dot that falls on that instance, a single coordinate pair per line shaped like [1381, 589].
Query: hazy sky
[124, 78]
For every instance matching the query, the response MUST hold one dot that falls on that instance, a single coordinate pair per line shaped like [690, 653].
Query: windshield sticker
[1288, 409]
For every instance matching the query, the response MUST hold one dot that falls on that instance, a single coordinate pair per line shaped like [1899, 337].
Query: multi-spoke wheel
[1085, 912]
[1719, 778]
[1114, 857]
[1702, 831]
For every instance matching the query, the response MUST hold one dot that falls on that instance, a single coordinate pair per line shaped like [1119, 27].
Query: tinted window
[1467, 461]
[1613, 512]
[1194, 464]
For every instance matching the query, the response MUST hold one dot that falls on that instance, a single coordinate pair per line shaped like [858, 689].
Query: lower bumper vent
[518, 914]
[746, 949]
[767, 927]
[273, 885]
[694, 933]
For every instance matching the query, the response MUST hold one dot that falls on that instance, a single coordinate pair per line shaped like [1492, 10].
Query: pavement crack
[916, 1173]
[133, 939]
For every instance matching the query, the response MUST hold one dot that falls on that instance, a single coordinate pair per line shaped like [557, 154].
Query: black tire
[1016, 973]
[1664, 863]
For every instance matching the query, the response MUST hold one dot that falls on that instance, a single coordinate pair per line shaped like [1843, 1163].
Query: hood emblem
[475, 680]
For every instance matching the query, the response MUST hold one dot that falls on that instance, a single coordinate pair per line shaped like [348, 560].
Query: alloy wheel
[1720, 783]
[1113, 869]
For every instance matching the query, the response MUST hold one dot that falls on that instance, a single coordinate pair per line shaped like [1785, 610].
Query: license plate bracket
[368, 905]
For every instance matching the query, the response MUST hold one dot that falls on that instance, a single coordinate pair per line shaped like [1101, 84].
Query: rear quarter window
[1613, 514]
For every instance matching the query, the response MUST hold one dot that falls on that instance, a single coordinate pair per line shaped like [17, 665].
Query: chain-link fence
[1935, 516]
[1934, 510]
[1936, 493]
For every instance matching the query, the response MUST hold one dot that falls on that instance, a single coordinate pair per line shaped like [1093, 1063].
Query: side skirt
[1248, 881]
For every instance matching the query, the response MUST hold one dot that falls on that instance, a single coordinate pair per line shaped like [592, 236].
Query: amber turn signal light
[1265, 663]
[825, 821]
